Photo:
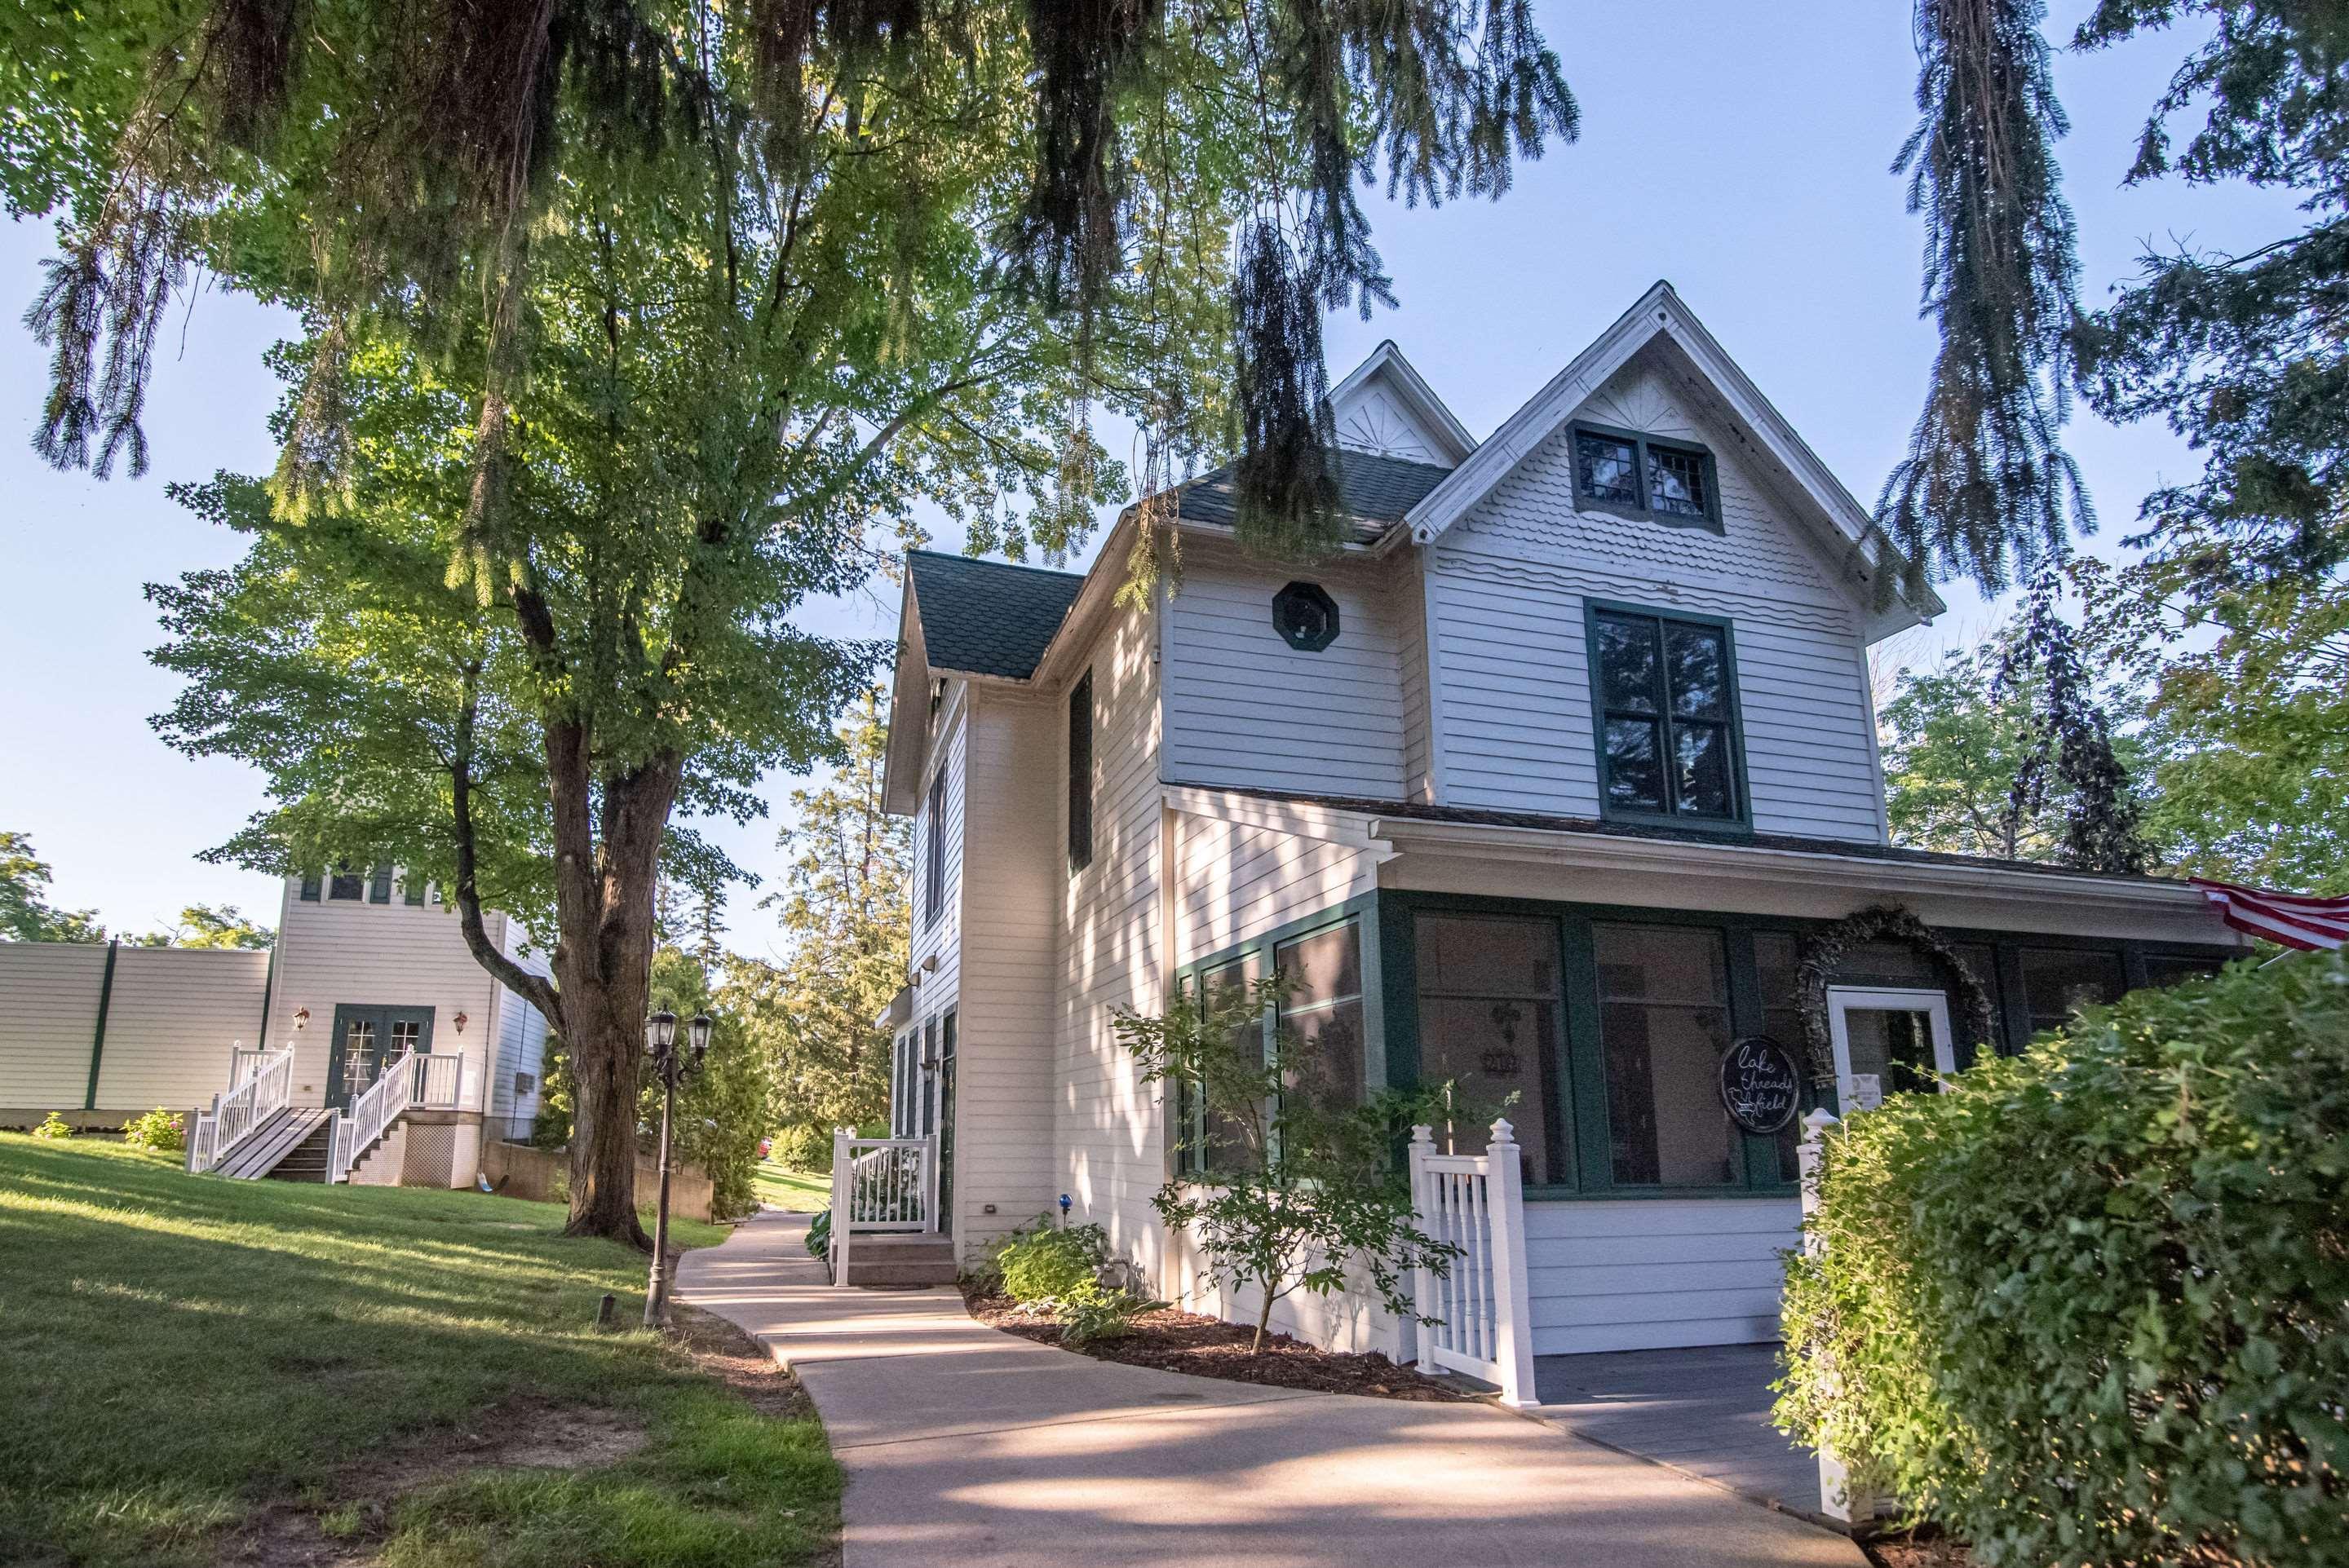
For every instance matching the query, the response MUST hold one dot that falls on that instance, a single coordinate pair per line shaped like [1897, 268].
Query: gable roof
[1375, 492]
[1660, 316]
[1386, 370]
[987, 617]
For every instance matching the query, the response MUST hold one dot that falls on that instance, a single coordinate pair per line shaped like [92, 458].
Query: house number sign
[1759, 1084]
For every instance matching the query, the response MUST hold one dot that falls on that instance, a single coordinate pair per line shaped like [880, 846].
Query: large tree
[627, 320]
[25, 913]
[846, 917]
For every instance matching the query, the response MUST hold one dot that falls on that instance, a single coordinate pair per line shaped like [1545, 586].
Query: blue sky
[1739, 149]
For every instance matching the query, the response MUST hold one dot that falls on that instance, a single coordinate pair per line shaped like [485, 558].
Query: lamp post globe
[661, 1032]
[698, 1029]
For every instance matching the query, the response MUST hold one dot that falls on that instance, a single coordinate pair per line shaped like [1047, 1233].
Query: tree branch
[535, 989]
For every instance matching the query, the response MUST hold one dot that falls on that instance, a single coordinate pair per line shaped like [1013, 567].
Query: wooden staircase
[295, 1138]
[905, 1259]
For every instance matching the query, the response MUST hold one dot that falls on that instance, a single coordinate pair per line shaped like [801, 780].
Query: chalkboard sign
[1759, 1084]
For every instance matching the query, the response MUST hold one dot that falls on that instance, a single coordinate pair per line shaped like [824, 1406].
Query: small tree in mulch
[1285, 1187]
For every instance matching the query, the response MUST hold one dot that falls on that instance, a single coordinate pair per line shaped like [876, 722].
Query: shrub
[1043, 1262]
[162, 1130]
[2091, 1306]
[818, 1236]
[54, 1127]
[1099, 1312]
[803, 1148]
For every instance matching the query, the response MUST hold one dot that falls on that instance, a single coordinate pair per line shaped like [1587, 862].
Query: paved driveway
[964, 1445]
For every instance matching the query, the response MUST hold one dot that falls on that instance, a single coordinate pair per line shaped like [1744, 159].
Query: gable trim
[1660, 312]
[1387, 361]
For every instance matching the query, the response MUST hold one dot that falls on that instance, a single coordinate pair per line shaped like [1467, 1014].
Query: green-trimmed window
[346, 885]
[1489, 1019]
[1663, 1027]
[1665, 698]
[1214, 1141]
[1634, 475]
[1081, 774]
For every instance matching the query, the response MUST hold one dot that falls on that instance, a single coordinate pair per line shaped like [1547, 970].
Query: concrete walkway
[968, 1445]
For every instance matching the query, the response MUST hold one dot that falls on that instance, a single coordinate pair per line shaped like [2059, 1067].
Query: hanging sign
[1759, 1084]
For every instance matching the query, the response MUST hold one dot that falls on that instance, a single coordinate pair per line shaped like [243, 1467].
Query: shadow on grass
[182, 1352]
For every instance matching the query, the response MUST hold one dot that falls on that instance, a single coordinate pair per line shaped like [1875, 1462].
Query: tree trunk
[604, 885]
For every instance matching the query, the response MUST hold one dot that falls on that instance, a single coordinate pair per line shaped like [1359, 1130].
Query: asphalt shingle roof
[1376, 492]
[986, 617]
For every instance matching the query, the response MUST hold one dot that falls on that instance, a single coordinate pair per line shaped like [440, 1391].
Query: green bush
[803, 1148]
[2091, 1306]
[1043, 1262]
[1099, 1312]
[159, 1128]
[56, 1126]
[818, 1236]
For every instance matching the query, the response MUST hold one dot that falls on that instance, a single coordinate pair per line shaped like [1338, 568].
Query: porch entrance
[1887, 1042]
[364, 1038]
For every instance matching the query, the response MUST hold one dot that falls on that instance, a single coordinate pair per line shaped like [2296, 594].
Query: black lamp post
[674, 1067]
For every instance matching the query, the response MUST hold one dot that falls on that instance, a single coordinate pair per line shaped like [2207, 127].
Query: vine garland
[1824, 952]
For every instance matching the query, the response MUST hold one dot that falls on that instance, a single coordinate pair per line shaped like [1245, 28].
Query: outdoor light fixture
[674, 1067]
[301, 1019]
[460, 1021]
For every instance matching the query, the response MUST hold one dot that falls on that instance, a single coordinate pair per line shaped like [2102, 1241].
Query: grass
[195, 1366]
[793, 1190]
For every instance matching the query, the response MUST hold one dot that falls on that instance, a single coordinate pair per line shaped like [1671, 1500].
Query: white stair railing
[1474, 1316]
[879, 1184]
[413, 1080]
[264, 1089]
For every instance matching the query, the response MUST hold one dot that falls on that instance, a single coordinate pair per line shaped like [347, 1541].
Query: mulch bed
[1173, 1341]
[1921, 1550]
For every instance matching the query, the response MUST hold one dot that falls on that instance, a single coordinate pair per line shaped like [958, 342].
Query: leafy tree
[2009, 748]
[25, 913]
[201, 925]
[845, 912]
[626, 320]
[1306, 1193]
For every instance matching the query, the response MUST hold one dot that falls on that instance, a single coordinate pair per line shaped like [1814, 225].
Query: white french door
[1887, 1041]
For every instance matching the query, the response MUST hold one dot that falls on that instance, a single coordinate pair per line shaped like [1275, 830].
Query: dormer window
[1634, 475]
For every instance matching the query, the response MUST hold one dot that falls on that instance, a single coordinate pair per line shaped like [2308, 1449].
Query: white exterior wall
[1656, 1274]
[46, 1024]
[1245, 708]
[1513, 684]
[174, 1016]
[934, 953]
[522, 1039]
[400, 954]
[1107, 1131]
[1013, 869]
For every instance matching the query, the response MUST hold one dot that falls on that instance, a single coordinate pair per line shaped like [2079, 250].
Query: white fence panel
[1474, 1316]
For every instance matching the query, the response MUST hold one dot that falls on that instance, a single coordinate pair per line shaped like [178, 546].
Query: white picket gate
[1474, 1316]
[879, 1184]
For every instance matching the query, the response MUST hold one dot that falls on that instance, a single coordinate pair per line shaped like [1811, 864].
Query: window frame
[1184, 1110]
[934, 848]
[338, 879]
[1080, 773]
[1640, 443]
[1741, 820]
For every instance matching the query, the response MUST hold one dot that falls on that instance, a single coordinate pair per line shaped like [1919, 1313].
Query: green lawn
[794, 1190]
[197, 1368]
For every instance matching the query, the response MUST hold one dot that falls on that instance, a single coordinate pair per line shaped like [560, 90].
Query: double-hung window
[1622, 471]
[1664, 702]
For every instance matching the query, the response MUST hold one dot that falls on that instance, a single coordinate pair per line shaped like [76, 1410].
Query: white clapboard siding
[1507, 602]
[335, 952]
[1656, 1274]
[1235, 882]
[1107, 1125]
[1014, 865]
[522, 1039]
[1245, 708]
[48, 1016]
[174, 1016]
[1408, 597]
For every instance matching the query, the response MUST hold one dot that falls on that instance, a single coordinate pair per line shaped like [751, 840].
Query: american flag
[2295, 920]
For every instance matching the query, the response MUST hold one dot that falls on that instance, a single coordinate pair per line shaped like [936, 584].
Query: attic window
[1634, 475]
[1305, 617]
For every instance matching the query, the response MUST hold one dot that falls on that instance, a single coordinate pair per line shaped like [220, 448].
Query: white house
[368, 968]
[1538, 787]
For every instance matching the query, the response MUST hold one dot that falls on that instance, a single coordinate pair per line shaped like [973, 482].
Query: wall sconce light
[301, 1017]
[459, 1020]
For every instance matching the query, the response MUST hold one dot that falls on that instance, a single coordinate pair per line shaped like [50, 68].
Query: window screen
[1663, 1025]
[1321, 1017]
[1489, 1024]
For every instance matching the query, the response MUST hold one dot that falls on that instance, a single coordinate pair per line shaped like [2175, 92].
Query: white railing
[1840, 1497]
[879, 1184]
[413, 1080]
[203, 1142]
[1474, 1316]
[266, 1089]
[244, 1063]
